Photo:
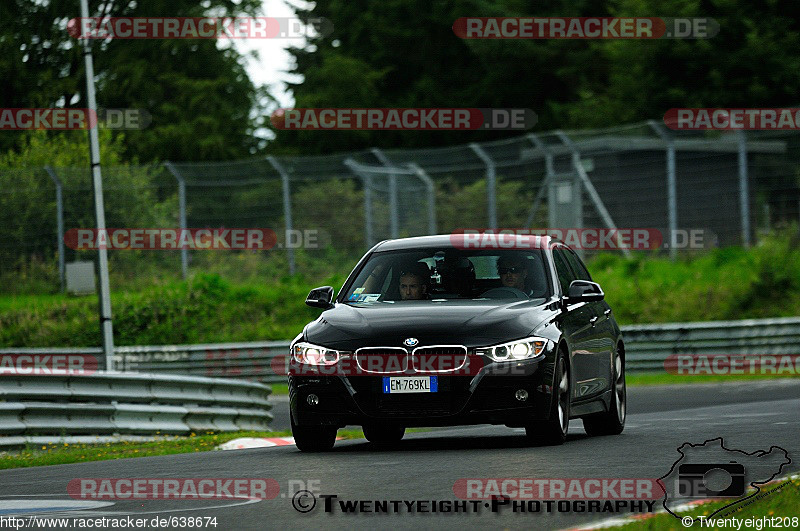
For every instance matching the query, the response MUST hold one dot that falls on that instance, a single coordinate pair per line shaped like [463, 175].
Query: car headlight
[522, 349]
[314, 354]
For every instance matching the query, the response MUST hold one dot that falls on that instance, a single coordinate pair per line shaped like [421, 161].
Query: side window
[577, 266]
[565, 275]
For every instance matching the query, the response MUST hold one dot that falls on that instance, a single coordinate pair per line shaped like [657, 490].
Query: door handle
[607, 312]
[593, 320]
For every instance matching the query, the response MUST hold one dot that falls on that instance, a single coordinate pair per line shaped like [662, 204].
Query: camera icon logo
[718, 480]
[710, 470]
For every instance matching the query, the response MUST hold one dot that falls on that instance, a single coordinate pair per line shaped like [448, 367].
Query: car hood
[461, 322]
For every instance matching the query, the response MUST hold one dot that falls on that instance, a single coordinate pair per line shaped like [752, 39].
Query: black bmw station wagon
[430, 331]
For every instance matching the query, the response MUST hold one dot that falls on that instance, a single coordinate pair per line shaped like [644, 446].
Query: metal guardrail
[127, 404]
[647, 347]
[251, 360]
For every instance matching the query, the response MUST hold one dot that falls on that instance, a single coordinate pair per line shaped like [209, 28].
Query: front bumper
[489, 397]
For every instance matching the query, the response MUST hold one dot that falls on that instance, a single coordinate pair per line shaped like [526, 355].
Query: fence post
[182, 214]
[744, 188]
[549, 171]
[425, 178]
[575, 184]
[106, 323]
[366, 180]
[394, 215]
[579, 169]
[60, 221]
[672, 186]
[287, 209]
[491, 183]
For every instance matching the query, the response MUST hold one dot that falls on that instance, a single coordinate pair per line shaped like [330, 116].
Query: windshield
[441, 274]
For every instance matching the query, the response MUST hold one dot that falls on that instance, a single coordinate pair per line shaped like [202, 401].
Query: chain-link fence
[733, 186]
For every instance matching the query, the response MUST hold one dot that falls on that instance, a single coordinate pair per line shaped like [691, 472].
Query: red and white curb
[256, 442]
[625, 520]
[259, 442]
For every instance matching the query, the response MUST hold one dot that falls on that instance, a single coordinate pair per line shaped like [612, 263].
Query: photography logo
[700, 481]
[710, 470]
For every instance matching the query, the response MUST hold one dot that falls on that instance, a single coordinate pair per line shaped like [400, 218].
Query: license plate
[410, 384]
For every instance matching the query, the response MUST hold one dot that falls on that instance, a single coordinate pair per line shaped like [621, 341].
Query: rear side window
[576, 264]
[565, 275]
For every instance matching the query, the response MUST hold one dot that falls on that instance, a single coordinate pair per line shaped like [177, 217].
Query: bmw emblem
[411, 342]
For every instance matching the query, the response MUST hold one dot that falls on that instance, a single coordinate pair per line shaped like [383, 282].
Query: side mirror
[321, 297]
[585, 291]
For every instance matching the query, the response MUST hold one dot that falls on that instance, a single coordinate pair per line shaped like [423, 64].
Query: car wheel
[313, 438]
[611, 422]
[553, 431]
[383, 435]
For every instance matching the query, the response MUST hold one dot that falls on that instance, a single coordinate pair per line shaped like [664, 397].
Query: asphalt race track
[749, 416]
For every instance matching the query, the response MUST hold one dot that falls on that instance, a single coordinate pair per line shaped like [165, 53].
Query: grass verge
[657, 378]
[61, 454]
[779, 500]
[730, 283]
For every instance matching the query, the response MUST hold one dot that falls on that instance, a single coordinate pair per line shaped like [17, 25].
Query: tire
[553, 430]
[611, 422]
[383, 435]
[313, 438]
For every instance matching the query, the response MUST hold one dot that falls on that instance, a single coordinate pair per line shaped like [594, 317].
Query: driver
[414, 282]
[512, 272]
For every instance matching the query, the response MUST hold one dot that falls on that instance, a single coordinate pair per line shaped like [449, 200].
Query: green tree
[403, 53]
[197, 91]
[28, 222]
[752, 62]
